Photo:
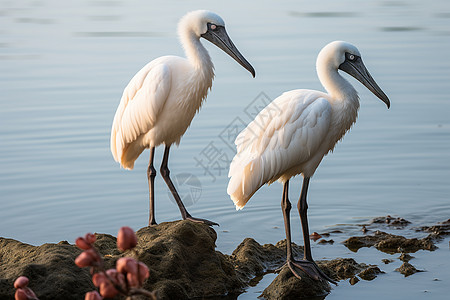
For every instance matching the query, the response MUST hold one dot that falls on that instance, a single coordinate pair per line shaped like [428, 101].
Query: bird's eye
[351, 57]
[213, 27]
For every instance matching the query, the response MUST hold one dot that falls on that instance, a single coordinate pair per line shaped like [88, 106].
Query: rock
[396, 222]
[315, 236]
[407, 269]
[405, 257]
[181, 257]
[389, 243]
[286, 286]
[370, 273]
[251, 259]
[324, 241]
[438, 231]
[341, 268]
[364, 229]
[354, 280]
[354, 243]
[50, 268]
[183, 262]
[396, 244]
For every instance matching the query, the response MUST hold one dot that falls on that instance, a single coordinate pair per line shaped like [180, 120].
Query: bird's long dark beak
[357, 69]
[219, 37]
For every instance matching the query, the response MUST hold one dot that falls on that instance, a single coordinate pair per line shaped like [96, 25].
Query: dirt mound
[183, 262]
[181, 257]
[50, 268]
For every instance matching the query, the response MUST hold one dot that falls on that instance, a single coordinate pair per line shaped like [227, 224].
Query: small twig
[138, 266]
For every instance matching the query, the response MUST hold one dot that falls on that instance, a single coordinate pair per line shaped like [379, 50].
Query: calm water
[63, 67]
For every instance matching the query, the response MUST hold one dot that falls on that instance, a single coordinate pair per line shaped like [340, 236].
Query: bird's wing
[284, 135]
[142, 100]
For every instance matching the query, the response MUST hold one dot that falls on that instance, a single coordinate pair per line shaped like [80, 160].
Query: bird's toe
[204, 221]
[308, 267]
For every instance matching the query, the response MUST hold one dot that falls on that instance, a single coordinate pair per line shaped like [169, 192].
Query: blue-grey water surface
[63, 67]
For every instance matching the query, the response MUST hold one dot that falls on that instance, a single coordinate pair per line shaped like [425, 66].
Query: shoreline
[184, 262]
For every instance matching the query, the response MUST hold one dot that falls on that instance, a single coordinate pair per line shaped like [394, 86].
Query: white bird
[160, 101]
[293, 133]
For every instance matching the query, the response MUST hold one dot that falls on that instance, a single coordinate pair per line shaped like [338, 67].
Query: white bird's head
[197, 21]
[210, 26]
[339, 55]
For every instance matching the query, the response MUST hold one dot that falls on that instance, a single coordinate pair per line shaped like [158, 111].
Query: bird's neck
[338, 87]
[201, 79]
[197, 54]
[343, 98]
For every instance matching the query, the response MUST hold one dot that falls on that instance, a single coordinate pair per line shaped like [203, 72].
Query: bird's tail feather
[244, 179]
[130, 153]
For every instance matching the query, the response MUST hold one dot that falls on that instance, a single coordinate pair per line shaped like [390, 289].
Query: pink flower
[106, 287]
[94, 295]
[86, 242]
[98, 278]
[126, 265]
[117, 278]
[25, 294]
[20, 295]
[90, 238]
[88, 258]
[126, 238]
[82, 244]
[144, 273]
[136, 272]
[21, 282]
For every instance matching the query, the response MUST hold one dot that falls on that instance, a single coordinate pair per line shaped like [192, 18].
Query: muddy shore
[184, 263]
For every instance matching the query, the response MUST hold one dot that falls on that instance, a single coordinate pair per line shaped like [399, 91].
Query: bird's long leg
[290, 261]
[307, 264]
[151, 174]
[165, 173]
[286, 208]
[302, 207]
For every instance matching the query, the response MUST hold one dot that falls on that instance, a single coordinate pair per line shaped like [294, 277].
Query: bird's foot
[309, 267]
[204, 221]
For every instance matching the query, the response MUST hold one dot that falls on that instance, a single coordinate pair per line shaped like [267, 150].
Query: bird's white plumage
[294, 132]
[160, 101]
[141, 103]
[280, 141]
[190, 25]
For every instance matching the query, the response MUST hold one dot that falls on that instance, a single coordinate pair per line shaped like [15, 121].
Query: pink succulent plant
[126, 238]
[23, 292]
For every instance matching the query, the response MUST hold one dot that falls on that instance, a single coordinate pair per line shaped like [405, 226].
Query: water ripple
[401, 28]
[39, 21]
[323, 14]
[120, 34]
